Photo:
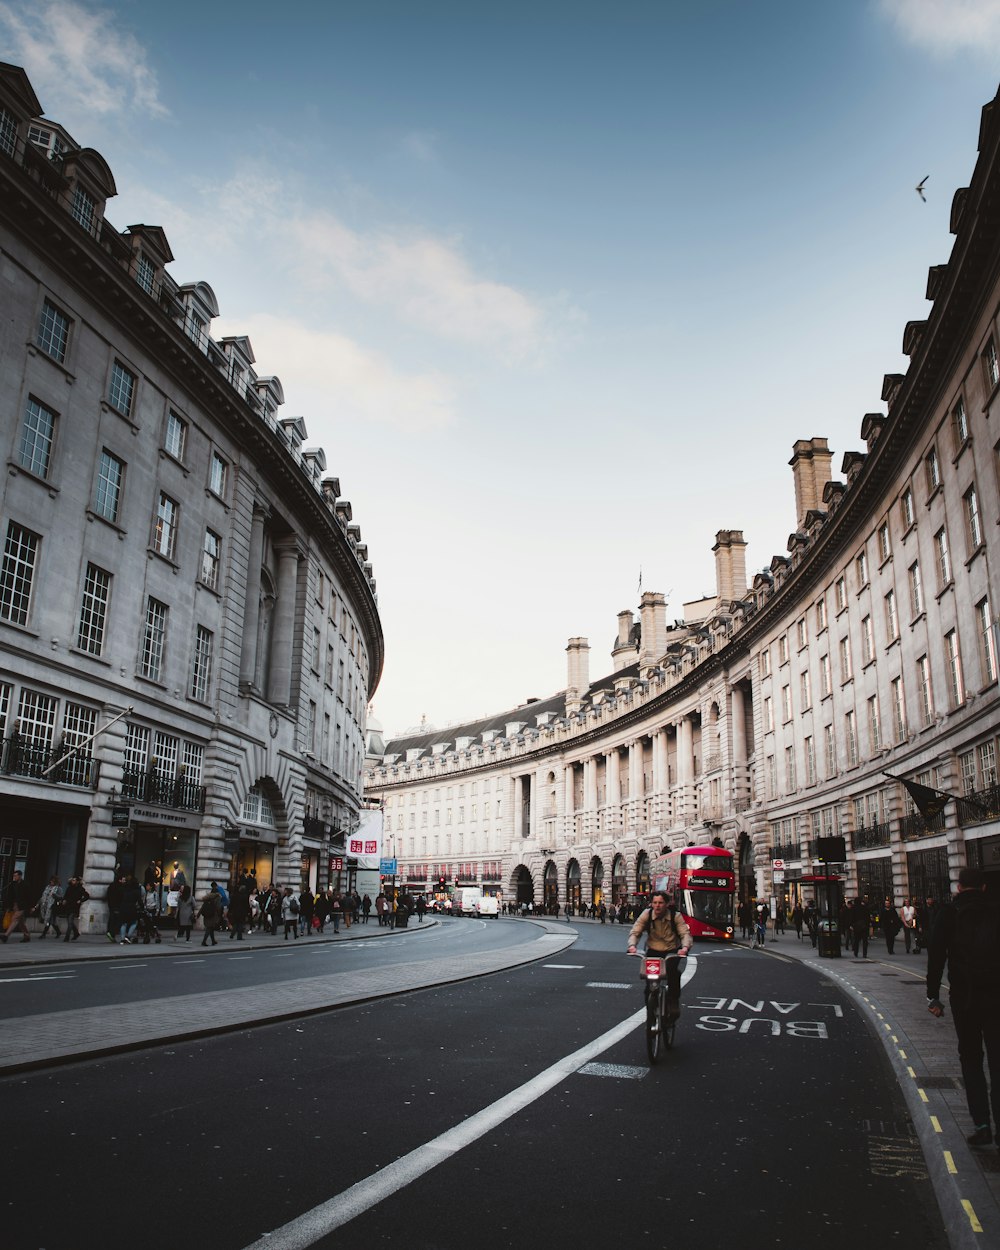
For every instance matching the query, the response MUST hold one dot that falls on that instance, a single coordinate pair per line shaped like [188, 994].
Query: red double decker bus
[703, 886]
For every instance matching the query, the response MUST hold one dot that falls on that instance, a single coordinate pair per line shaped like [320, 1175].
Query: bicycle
[661, 1022]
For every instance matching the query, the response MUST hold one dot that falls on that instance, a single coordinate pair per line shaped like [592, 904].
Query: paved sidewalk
[39, 1041]
[923, 1052]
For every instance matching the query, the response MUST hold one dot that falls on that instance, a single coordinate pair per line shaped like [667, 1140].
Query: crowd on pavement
[858, 922]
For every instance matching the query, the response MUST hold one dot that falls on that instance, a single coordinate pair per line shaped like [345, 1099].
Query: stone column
[251, 603]
[569, 815]
[685, 769]
[635, 793]
[614, 791]
[518, 806]
[590, 793]
[279, 686]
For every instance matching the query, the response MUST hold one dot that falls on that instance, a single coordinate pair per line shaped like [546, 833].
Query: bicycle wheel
[655, 1024]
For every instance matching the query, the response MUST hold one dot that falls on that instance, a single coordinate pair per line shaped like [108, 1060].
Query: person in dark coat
[15, 901]
[73, 900]
[128, 910]
[239, 913]
[890, 924]
[114, 900]
[966, 936]
[860, 925]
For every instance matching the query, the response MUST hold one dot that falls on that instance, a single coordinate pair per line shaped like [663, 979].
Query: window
[36, 718]
[800, 633]
[8, 132]
[94, 610]
[768, 714]
[108, 490]
[973, 520]
[783, 650]
[79, 724]
[987, 642]
[991, 365]
[201, 669]
[136, 749]
[942, 556]
[898, 709]
[328, 674]
[765, 662]
[846, 665]
[805, 690]
[176, 436]
[933, 466]
[825, 677]
[17, 573]
[153, 639]
[122, 389]
[851, 732]
[953, 660]
[810, 754]
[861, 565]
[786, 704]
[960, 424]
[34, 449]
[165, 527]
[867, 640]
[906, 510]
[820, 615]
[916, 589]
[772, 778]
[317, 650]
[924, 693]
[986, 758]
[884, 543]
[53, 332]
[840, 592]
[194, 760]
[210, 556]
[83, 208]
[891, 617]
[218, 475]
[874, 726]
[829, 751]
[145, 271]
[790, 768]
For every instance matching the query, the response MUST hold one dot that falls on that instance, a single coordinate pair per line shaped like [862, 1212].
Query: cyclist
[666, 932]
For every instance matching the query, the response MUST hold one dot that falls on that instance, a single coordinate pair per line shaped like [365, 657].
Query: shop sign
[120, 816]
[165, 816]
[336, 863]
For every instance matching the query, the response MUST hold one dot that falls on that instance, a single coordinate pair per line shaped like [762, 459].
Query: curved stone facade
[772, 713]
[179, 574]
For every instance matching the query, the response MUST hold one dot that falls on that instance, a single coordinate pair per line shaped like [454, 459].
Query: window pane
[122, 388]
[53, 332]
[20, 553]
[35, 447]
[107, 495]
[94, 610]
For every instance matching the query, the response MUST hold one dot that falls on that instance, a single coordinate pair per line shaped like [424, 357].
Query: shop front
[158, 847]
[254, 854]
[41, 840]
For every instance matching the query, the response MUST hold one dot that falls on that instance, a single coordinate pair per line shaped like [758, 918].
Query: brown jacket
[669, 933]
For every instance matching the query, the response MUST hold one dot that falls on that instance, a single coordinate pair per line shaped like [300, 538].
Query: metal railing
[870, 836]
[162, 791]
[979, 805]
[23, 757]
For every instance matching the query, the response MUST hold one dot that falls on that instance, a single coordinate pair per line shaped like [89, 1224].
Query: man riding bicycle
[667, 932]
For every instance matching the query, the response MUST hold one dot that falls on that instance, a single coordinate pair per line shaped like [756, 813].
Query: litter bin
[829, 939]
[402, 917]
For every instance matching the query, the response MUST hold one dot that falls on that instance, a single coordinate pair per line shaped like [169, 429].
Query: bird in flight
[919, 188]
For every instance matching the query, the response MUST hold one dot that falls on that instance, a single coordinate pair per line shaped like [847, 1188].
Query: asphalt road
[232, 964]
[426, 1120]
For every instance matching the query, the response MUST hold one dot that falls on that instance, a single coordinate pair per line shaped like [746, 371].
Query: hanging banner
[366, 843]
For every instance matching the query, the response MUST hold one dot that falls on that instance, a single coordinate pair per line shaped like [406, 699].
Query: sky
[556, 285]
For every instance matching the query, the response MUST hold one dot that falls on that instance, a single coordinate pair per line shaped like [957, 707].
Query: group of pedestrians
[54, 905]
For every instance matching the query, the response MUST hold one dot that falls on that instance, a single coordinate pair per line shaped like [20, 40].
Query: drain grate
[623, 1072]
[892, 1156]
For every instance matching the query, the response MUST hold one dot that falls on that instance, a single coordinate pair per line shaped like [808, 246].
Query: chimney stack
[653, 621]
[730, 565]
[577, 673]
[811, 469]
[623, 653]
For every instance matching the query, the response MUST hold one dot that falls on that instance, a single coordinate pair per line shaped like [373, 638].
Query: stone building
[794, 703]
[189, 631]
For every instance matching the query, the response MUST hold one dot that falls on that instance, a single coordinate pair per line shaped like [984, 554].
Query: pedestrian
[745, 915]
[336, 911]
[380, 908]
[421, 908]
[211, 913]
[366, 907]
[73, 900]
[272, 911]
[47, 907]
[966, 936]
[15, 901]
[798, 916]
[779, 916]
[114, 901]
[128, 910]
[239, 912]
[890, 924]
[185, 913]
[908, 915]
[290, 912]
[307, 909]
[810, 918]
[860, 926]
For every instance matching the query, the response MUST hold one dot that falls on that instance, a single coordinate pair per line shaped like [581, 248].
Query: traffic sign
[387, 867]
[777, 864]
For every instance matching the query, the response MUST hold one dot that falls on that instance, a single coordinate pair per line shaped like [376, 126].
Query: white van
[466, 900]
[489, 905]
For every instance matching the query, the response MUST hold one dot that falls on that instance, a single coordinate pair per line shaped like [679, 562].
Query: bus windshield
[712, 907]
[715, 863]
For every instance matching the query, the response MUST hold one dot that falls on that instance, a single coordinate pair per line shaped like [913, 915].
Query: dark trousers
[861, 940]
[673, 967]
[978, 1029]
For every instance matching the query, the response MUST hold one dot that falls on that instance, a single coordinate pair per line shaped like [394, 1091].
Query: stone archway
[573, 884]
[596, 881]
[550, 886]
[619, 880]
[522, 885]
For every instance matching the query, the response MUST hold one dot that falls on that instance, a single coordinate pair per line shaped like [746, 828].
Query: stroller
[145, 928]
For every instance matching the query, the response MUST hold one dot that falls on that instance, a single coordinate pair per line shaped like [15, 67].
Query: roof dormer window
[8, 132]
[83, 208]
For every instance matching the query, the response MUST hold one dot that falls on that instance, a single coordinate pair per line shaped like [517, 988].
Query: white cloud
[352, 383]
[946, 26]
[78, 59]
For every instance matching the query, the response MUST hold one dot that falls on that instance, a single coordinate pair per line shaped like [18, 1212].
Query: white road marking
[563, 965]
[309, 1228]
[125, 967]
[38, 976]
[610, 985]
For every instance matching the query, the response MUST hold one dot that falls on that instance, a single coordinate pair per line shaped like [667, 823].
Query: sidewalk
[38, 1041]
[923, 1052]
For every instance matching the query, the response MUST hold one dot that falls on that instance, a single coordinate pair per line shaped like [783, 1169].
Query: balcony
[23, 757]
[868, 837]
[150, 787]
[786, 850]
[915, 826]
[979, 805]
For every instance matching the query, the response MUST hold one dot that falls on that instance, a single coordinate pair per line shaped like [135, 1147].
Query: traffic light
[441, 883]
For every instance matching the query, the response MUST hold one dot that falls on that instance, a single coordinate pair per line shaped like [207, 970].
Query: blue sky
[556, 285]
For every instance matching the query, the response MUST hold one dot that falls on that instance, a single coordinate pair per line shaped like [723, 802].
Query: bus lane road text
[763, 1016]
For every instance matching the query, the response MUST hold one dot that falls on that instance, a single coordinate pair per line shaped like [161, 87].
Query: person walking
[15, 901]
[114, 900]
[239, 912]
[810, 918]
[290, 913]
[128, 910]
[798, 916]
[307, 909]
[185, 913]
[908, 915]
[74, 898]
[48, 905]
[967, 938]
[211, 914]
[890, 924]
[860, 925]
[366, 908]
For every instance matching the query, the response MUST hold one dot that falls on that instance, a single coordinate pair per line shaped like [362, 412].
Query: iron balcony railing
[915, 826]
[24, 757]
[150, 787]
[867, 837]
[786, 850]
[979, 805]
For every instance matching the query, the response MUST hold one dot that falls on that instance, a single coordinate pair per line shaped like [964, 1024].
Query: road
[460, 1115]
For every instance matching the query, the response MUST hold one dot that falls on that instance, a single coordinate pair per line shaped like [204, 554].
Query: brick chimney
[653, 621]
[623, 653]
[811, 469]
[730, 565]
[577, 673]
